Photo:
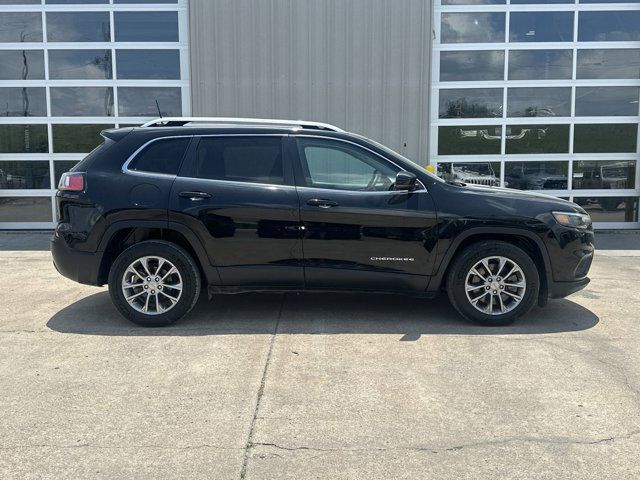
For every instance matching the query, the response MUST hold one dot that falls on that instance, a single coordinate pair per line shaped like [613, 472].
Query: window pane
[19, 2]
[610, 209]
[477, 65]
[146, 26]
[541, 27]
[25, 209]
[603, 138]
[473, 27]
[141, 101]
[536, 175]
[539, 102]
[148, 64]
[62, 166]
[537, 139]
[21, 65]
[545, 2]
[257, 160]
[613, 101]
[473, 2]
[609, 26]
[68, 2]
[79, 64]
[23, 102]
[78, 27]
[81, 101]
[540, 64]
[31, 175]
[469, 140]
[345, 167]
[23, 139]
[471, 103]
[609, 63]
[162, 156]
[77, 138]
[20, 27]
[595, 174]
[476, 173]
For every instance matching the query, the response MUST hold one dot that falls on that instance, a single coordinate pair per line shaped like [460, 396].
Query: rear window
[162, 156]
[240, 159]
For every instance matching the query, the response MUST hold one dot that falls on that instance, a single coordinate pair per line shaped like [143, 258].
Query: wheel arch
[122, 235]
[524, 239]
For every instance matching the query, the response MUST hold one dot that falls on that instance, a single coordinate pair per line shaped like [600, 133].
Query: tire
[501, 296]
[169, 303]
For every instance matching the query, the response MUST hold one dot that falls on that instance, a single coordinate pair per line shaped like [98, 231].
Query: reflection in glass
[471, 103]
[62, 166]
[25, 209]
[81, 101]
[541, 27]
[148, 64]
[146, 26]
[475, 173]
[546, 2]
[605, 138]
[539, 102]
[20, 27]
[77, 138]
[473, 27]
[479, 65]
[79, 64]
[540, 64]
[25, 174]
[68, 2]
[23, 139]
[536, 175]
[609, 26]
[609, 63]
[610, 209]
[611, 101]
[21, 65]
[537, 139]
[141, 101]
[78, 27]
[469, 140]
[596, 174]
[23, 102]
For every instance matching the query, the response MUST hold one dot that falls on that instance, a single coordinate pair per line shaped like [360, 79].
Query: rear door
[236, 192]
[358, 232]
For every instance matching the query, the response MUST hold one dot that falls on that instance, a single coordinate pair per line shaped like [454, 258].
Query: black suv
[161, 211]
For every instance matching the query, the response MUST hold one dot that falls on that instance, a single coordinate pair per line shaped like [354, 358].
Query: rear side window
[240, 159]
[162, 156]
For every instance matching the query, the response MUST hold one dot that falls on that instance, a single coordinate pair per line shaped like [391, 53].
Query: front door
[358, 232]
[236, 192]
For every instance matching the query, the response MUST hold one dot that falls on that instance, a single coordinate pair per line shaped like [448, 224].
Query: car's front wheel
[154, 283]
[493, 283]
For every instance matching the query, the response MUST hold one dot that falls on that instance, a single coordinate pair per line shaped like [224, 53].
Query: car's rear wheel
[154, 283]
[493, 283]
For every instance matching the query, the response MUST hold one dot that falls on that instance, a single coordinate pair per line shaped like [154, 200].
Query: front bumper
[81, 267]
[564, 289]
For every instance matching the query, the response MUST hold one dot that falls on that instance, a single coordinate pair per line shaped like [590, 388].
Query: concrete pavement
[317, 386]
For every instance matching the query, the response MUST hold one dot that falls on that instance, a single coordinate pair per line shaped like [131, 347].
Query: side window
[240, 159]
[342, 166]
[161, 156]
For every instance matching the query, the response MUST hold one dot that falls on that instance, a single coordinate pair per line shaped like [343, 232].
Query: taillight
[71, 182]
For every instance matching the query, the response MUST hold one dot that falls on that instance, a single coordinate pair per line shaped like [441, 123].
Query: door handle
[195, 195]
[322, 203]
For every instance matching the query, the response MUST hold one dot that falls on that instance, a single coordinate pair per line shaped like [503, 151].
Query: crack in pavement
[439, 449]
[117, 447]
[249, 443]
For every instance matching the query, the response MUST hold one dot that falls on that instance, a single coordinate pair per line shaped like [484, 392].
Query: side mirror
[405, 181]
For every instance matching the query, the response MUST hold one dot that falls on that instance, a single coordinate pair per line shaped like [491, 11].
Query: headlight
[572, 219]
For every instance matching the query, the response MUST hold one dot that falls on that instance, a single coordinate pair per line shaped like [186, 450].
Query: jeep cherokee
[162, 211]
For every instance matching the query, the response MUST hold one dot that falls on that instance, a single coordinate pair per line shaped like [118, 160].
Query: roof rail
[181, 121]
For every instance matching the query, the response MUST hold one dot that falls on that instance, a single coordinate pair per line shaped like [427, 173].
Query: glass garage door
[541, 95]
[69, 69]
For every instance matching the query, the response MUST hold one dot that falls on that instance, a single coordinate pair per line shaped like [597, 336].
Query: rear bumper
[564, 289]
[81, 267]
